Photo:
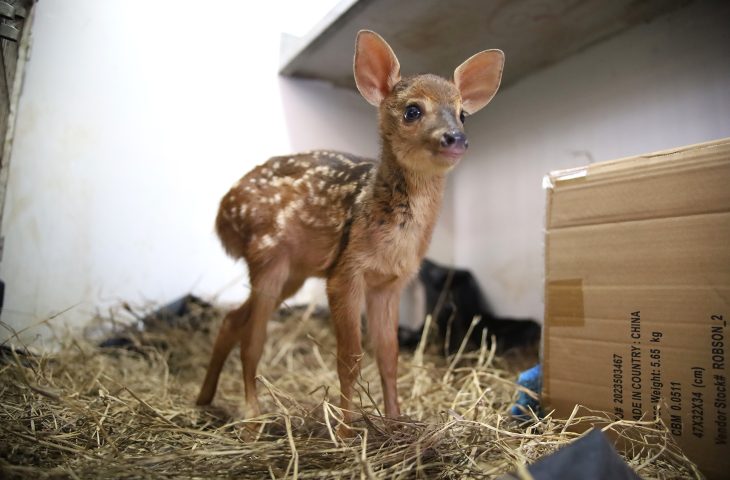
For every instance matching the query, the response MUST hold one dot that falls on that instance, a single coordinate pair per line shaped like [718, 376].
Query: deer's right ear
[376, 68]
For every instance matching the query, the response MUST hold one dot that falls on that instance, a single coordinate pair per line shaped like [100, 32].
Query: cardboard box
[637, 294]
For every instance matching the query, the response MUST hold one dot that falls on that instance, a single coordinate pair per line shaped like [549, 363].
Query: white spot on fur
[267, 241]
[286, 214]
[279, 181]
[324, 170]
[311, 220]
[348, 188]
[361, 196]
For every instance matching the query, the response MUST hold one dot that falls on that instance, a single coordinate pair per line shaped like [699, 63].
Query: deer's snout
[454, 142]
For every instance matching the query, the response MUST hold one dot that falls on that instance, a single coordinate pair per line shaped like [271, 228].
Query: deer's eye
[462, 117]
[412, 113]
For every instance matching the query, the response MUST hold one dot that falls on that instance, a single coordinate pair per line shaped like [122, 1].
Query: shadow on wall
[320, 116]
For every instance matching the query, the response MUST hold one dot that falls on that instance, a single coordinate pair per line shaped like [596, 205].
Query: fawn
[364, 225]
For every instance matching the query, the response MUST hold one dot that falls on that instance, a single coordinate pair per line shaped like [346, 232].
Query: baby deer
[364, 225]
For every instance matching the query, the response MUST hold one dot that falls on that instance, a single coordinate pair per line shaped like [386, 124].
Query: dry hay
[90, 412]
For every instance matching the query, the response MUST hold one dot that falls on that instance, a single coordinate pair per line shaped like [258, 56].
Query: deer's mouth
[452, 154]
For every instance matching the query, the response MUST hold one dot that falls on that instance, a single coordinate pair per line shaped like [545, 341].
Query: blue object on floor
[532, 380]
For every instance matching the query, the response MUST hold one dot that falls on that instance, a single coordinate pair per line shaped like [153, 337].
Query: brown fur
[364, 225]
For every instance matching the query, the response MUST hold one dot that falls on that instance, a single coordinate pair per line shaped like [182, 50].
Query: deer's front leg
[345, 295]
[382, 315]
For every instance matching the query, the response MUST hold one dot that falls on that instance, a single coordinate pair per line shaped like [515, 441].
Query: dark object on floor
[124, 342]
[591, 456]
[454, 298]
[185, 312]
[2, 295]
[8, 354]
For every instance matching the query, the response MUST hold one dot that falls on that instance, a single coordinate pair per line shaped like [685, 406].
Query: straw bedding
[127, 411]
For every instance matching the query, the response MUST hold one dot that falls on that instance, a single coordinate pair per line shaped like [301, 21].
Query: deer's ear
[376, 68]
[478, 79]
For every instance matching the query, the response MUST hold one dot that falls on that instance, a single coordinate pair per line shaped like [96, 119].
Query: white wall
[656, 86]
[134, 119]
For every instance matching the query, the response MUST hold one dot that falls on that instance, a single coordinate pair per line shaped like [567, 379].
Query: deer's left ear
[478, 79]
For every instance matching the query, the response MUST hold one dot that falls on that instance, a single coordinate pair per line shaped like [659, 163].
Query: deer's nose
[454, 140]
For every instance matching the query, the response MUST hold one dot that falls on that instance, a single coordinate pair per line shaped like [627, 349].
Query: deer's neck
[404, 197]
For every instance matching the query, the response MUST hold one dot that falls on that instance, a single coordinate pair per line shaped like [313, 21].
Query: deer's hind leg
[270, 286]
[230, 332]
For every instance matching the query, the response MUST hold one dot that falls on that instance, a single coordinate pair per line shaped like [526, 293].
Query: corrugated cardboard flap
[631, 188]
